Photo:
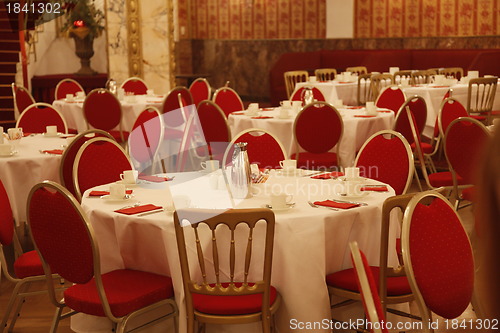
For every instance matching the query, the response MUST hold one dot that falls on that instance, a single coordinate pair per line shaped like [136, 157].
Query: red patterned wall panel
[297, 18]
[284, 18]
[259, 19]
[412, 27]
[362, 10]
[310, 19]
[272, 19]
[430, 13]
[223, 19]
[395, 18]
[379, 18]
[212, 15]
[322, 20]
[448, 18]
[235, 19]
[485, 17]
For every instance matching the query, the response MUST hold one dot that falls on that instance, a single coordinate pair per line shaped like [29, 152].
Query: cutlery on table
[151, 212]
[350, 202]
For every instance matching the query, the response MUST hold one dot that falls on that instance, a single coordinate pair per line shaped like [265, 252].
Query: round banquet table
[309, 242]
[73, 111]
[334, 90]
[357, 128]
[20, 172]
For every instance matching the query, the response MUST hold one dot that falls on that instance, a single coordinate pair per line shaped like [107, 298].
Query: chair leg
[10, 305]
[415, 175]
[55, 320]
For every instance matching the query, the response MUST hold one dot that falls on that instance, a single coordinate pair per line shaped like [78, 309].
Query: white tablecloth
[356, 129]
[73, 111]
[20, 172]
[334, 90]
[433, 96]
[309, 242]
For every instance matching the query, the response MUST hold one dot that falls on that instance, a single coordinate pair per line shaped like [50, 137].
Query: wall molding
[134, 39]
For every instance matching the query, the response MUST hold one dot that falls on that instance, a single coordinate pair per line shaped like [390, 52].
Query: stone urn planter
[84, 49]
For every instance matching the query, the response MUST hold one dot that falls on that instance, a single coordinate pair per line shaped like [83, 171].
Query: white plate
[9, 155]
[288, 206]
[109, 198]
[352, 196]
[52, 136]
[139, 182]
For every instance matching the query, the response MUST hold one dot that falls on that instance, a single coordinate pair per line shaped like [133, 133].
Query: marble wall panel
[116, 30]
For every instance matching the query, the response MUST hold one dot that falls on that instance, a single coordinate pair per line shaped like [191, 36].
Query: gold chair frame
[357, 69]
[325, 74]
[481, 95]
[422, 77]
[364, 91]
[456, 72]
[67, 80]
[292, 78]
[379, 82]
[44, 105]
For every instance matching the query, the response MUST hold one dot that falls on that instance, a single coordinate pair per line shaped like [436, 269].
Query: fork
[317, 206]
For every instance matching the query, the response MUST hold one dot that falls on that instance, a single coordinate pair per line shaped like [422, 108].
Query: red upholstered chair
[64, 239]
[102, 110]
[243, 296]
[368, 289]
[438, 257]
[67, 86]
[215, 128]
[263, 148]
[387, 157]
[27, 265]
[69, 155]
[228, 100]
[317, 131]
[98, 161]
[464, 142]
[418, 108]
[145, 138]
[38, 116]
[22, 98]
[175, 105]
[135, 85]
[200, 90]
[317, 94]
[391, 98]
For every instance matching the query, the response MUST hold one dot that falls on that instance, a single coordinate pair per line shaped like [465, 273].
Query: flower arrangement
[83, 19]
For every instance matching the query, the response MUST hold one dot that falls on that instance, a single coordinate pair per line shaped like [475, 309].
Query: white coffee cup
[289, 166]
[210, 165]
[15, 133]
[370, 108]
[339, 77]
[286, 104]
[120, 94]
[347, 76]
[312, 79]
[351, 173]
[150, 92]
[70, 98]
[5, 149]
[117, 191]
[439, 79]
[51, 130]
[296, 106]
[393, 70]
[284, 113]
[80, 94]
[472, 74]
[129, 176]
[280, 200]
[253, 109]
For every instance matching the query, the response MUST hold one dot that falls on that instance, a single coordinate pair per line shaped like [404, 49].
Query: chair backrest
[318, 128]
[365, 92]
[215, 127]
[422, 77]
[69, 155]
[368, 290]
[379, 82]
[455, 72]
[6, 218]
[177, 100]
[102, 110]
[200, 90]
[98, 161]
[145, 138]
[357, 69]
[251, 234]
[67, 86]
[317, 95]
[405, 74]
[464, 142]
[228, 100]
[391, 97]
[481, 95]
[450, 110]
[135, 85]
[387, 157]
[263, 148]
[38, 116]
[438, 256]
[22, 98]
[325, 74]
[418, 108]
[292, 78]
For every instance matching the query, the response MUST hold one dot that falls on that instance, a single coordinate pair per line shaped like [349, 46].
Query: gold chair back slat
[481, 95]
[379, 82]
[248, 255]
[357, 69]
[455, 72]
[215, 254]
[422, 77]
[325, 74]
[292, 78]
[365, 93]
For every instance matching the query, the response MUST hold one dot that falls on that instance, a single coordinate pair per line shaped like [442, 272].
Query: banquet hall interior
[356, 140]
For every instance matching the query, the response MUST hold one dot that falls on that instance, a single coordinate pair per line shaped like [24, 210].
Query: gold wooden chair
[365, 93]
[422, 77]
[325, 74]
[455, 72]
[292, 78]
[379, 82]
[357, 69]
[215, 292]
[480, 97]
[402, 75]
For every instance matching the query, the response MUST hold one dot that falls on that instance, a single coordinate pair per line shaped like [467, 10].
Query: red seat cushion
[469, 193]
[346, 279]
[312, 161]
[127, 290]
[28, 264]
[231, 305]
[444, 178]
[116, 135]
[427, 148]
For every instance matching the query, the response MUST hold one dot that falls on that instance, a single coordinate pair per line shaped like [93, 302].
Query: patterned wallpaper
[426, 18]
[253, 19]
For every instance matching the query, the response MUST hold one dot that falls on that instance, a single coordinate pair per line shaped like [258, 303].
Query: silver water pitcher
[111, 86]
[241, 181]
[307, 95]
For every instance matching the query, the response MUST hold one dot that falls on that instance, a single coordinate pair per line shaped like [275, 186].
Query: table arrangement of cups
[9, 141]
[79, 96]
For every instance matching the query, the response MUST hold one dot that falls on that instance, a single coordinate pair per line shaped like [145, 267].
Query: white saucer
[288, 206]
[10, 154]
[353, 196]
[139, 182]
[51, 136]
[109, 198]
[296, 172]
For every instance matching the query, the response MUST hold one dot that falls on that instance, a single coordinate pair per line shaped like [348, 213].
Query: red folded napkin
[138, 209]
[267, 109]
[238, 113]
[334, 204]
[381, 188]
[364, 116]
[440, 86]
[101, 193]
[355, 107]
[154, 179]
[345, 82]
[54, 151]
[262, 117]
[384, 111]
[330, 175]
